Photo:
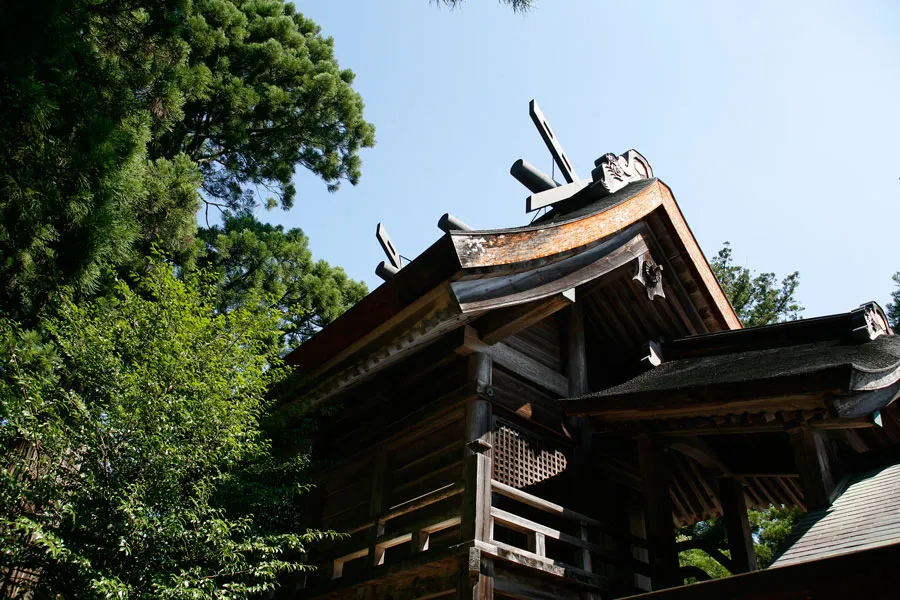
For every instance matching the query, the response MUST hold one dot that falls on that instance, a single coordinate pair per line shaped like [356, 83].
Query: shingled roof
[847, 364]
[466, 274]
[866, 515]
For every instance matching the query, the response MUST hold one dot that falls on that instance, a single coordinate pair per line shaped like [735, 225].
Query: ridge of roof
[879, 355]
[862, 324]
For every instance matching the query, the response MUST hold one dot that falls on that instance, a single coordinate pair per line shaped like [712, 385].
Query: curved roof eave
[421, 290]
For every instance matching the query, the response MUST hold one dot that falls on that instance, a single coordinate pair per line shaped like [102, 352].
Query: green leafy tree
[769, 528]
[760, 299]
[893, 307]
[129, 423]
[263, 95]
[254, 261]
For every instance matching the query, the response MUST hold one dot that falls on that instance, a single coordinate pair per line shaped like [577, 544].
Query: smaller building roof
[846, 364]
[866, 515]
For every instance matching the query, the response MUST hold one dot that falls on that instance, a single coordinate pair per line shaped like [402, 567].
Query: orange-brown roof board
[421, 290]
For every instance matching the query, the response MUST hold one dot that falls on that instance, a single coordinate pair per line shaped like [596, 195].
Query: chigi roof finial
[386, 270]
[611, 174]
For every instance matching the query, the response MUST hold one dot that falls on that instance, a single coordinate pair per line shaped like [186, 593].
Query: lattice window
[522, 459]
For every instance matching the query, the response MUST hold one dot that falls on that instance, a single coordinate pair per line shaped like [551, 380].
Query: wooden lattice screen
[522, 459]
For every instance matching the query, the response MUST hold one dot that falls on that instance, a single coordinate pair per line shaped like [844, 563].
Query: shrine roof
[587, 203]
[866, 515]
[794, 360]
[464, 274]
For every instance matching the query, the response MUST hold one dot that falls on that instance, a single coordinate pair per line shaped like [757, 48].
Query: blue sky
[775, 124]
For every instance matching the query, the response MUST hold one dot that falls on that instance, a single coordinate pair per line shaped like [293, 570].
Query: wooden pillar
[377, 506]
[576, 355]
[658, 513]
[813, 466]
[476, 577]
[476, 524]
[737, 525]
[585, 481]
[619, 496]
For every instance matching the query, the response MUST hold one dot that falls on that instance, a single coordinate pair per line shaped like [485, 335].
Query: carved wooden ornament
[649, 275]
[869, 322]
[613, 172]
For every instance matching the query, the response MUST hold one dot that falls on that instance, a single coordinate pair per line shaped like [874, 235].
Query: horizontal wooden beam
[499, 324]
[673, 398]
[524, 525]
[541, 504]
[518, 556]
[517, 362]
[724, 426]
[451, 489]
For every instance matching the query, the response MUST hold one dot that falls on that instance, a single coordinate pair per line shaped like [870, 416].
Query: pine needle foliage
[757, 299]
[893, 307]
[120, 118]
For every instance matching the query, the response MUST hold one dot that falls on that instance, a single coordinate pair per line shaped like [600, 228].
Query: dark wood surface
[864, 574]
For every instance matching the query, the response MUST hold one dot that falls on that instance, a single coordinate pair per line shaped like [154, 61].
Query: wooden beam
[499, 324]
[811, 460]
[476, 506]
[750, 423]
[518, 556]
[376, 506]
[476, 575]
[737, 525]
[658, 513]
[541, 504]
[860, 574]
[576, 352]
[520, 364]
[700, 451]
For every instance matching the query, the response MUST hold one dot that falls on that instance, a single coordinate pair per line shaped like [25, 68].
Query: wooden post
[658, 513]
[576, 355]
[813, 466]
[376, 507]
[586, 477]
[476, 577]
[737, 525]
[476, 524]
[620, 496]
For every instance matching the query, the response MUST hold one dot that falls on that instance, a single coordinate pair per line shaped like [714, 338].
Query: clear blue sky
[775, 124]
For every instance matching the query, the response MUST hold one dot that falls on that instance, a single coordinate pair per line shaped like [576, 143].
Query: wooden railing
[417, 533]
[537, 534]
[381, 536]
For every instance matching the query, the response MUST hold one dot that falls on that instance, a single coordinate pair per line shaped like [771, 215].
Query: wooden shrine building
[531, 412]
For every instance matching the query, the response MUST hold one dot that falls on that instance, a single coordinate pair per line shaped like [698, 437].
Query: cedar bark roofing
[474, 254]
[866, 515]
[791, 360]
